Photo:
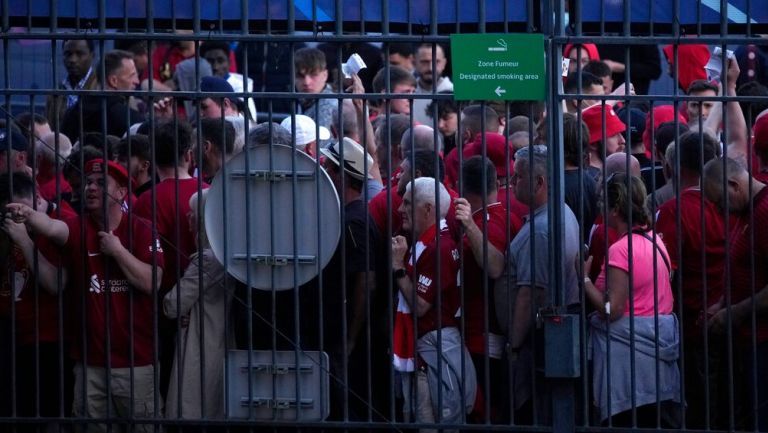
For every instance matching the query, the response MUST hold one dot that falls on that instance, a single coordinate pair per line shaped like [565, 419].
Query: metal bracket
[278, 369]
[276, 260]
[277, 403]
[273, 175]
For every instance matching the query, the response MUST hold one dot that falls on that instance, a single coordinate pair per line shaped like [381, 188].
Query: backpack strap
[644, 234]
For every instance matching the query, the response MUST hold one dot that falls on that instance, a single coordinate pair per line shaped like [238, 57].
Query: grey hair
[260, 135]
[716, 169]
[533, 158]
[424, 192]
[349, 127]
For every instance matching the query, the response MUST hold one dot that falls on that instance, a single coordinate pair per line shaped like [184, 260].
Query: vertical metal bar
[10, 266]
[244, 17]
[563, 410]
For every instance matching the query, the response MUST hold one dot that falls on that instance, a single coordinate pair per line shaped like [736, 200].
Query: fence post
[562, 389]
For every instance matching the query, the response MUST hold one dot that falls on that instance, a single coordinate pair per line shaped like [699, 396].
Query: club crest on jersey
[95, 286]
[157, 247]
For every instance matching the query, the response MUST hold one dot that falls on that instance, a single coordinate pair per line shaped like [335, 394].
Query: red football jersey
[475, 311]
[710, 239]
[426, 279]
[171, 221]
[92, 275]
[597, 247]
[36, 311]
[744, 259]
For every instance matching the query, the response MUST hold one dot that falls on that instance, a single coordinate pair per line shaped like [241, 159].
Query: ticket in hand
[354, 64]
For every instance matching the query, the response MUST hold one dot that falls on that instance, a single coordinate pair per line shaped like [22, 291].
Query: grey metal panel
[273, 380]
[272, 234]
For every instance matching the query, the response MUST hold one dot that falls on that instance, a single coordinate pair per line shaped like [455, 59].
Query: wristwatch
[399, 273]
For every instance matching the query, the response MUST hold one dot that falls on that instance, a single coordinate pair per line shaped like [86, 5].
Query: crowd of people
[113, 304]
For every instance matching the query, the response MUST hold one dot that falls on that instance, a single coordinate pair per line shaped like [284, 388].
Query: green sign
[498, 66]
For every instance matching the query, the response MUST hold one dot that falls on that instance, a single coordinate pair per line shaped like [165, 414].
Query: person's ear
[123, 191]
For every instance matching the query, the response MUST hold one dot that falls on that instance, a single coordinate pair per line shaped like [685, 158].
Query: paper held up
[354, 64]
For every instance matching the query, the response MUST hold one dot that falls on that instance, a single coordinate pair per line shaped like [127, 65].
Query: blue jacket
[621, 374]
[458, 391]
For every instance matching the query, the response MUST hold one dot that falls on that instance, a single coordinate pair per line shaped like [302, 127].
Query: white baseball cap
[305, 129]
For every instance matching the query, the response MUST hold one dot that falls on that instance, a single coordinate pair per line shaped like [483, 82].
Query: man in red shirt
[173, 159]
[501, 154]
[475, 119]
[28, 296]
[483, 215]
[118, 326]
[419, 164]
[760, 145]
[434, 299]
[700, 270]
[746, 292]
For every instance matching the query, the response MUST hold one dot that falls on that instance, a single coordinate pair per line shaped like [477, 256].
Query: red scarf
[403, 337]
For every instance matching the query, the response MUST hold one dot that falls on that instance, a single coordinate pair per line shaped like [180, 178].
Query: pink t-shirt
[642, 273]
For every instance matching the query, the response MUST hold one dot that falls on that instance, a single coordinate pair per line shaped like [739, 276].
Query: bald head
[617, 163]
[423, 139]
[725, 173]
[46, 147]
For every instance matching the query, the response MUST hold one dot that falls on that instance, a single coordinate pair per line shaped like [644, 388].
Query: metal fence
[319, 283]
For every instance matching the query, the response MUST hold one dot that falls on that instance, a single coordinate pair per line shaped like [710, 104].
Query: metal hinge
[273, 175]
[276, 369]
[277, 403]
[276, 260]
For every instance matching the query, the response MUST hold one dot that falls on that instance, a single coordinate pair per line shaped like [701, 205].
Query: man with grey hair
[427, 288]
[746, 198]
[267, 133]
[526, 287]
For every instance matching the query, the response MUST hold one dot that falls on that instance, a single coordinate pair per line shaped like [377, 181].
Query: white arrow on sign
[499, 91]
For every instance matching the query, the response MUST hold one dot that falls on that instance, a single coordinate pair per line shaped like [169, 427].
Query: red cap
[116, 171]
[591, 50]
[495, 149]
[760, 132]
[661, 114]
[593, 117]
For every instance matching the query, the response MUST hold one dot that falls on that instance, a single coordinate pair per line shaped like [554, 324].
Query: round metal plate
[280, 230]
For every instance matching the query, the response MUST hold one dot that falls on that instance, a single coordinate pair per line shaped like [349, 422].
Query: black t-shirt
[118, 116]
[358, 246]
[358, 256]
[581, 192]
